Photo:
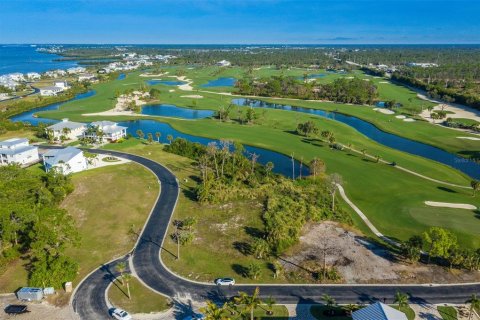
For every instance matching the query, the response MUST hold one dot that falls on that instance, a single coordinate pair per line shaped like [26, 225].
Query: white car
[225, 282]
[121, 314]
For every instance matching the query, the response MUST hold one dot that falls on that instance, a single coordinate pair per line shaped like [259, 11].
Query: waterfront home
[105, 131]
[55, 73]
[378, 311]
[224, 63]
[86, 77]
[75, 70]
[67, 160]
[6, 82]
[50, 91]
[67, 129]
[33, 76]
[17, 150]
[17, 76]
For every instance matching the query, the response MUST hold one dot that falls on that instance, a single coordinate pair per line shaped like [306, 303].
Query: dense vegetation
[34, 226]
[228, 174]
[341, 90]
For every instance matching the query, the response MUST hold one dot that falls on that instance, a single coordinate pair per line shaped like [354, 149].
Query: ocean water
[25, 58]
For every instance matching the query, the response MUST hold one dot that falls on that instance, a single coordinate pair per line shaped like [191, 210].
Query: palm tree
[475, 184]
[66, 131]
[127, 277]
[121, 267]
[334, 180]
[329, 300]
[140, 134]
[349, 308]
[474, 303]
[250, 302]
[170, 138]
[401, 299]
[213, 312]
[150, 138]
[270, 302]
[158, 135]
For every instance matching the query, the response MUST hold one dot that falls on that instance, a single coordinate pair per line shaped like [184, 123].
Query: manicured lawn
[447, 312]
[408, 312]
[279, 313]
[143, 300]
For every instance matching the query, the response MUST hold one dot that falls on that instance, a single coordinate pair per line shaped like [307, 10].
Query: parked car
[14, 309]
[120, 314]
[195, 316]
[225, 282]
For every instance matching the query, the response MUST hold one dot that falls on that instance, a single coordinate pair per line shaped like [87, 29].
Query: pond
[121, 76]
[282, 163]
[169, 110]
[165, 82]
[220, 82]
[28, 116]
[467, 166]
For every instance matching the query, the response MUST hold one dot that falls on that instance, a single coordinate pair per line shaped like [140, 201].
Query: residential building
[17, 76]
[50, 91]
[61, 84]
[86, 77]
[67, 160]
[378, 311]
[17, 150]
[422, 64]
[74, 70]
[224, 63]
[68, 129]
[33, 76]
[103, 131]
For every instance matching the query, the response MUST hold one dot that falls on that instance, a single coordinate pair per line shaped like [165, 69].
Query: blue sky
[239, 21]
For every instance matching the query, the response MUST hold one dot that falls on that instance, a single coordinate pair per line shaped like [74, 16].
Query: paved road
[89, 299]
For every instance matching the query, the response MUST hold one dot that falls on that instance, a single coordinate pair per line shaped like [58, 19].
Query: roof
[52, 88]
[378, 311]
[56, 156]
[108, 126]
[12, 142]
[18, 150]
[66, 124]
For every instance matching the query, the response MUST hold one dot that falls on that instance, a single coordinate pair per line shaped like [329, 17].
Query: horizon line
[233, 44]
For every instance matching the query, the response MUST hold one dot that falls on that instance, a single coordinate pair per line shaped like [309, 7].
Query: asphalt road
[89, 299]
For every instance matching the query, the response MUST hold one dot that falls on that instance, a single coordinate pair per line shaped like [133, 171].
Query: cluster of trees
[452, 123]
[343, 90]
[250, 116]
[242, 307]
[441, 245]
[33, 225]
[229, 173]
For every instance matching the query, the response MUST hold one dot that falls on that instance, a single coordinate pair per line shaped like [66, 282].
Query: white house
[70, 130]
[17, 76]
[17, 150]
[111, 131]
[86, 77]
[61, 84]
[378, 311]
[50, 91]
[76, 70]
[224, 63]
[33, 76]
[67, 160]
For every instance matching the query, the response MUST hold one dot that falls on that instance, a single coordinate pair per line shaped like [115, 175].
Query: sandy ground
[383, 110]
[426, 312]
[459, 111]
[400, 117]
[384, 82]
[469, 138]
[185, 87]
[360, 261]
[38, 310]
[122, 104]
[409, 120]
[193, 96]
[98, 163]
[451, 205]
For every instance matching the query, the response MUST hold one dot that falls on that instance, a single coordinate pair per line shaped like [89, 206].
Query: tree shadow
[477, 214]
[189, 193]
[447, 189]
[254, 232]
[240, 270]
[243, 247]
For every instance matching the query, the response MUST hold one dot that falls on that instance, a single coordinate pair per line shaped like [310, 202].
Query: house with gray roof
[18, 151]
[68, 129]
[67, 160]
[378, 311]
[105, 131]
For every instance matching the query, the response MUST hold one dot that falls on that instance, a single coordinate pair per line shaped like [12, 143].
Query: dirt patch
[358, 260]
[38, 310]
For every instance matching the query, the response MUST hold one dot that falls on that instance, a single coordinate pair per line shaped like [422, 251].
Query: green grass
[280, 312]
[467, 122]
[408, 312]
[143, 300]
[381, 191]
[447, 312]
[105, 203]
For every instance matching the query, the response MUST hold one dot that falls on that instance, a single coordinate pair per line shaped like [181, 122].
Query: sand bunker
[469, 138]
[147, 75]
[384, 82]
[171, 90]
[400, 117]
[384, 111]
[409, 120]
[451, 205]
[193, 96]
